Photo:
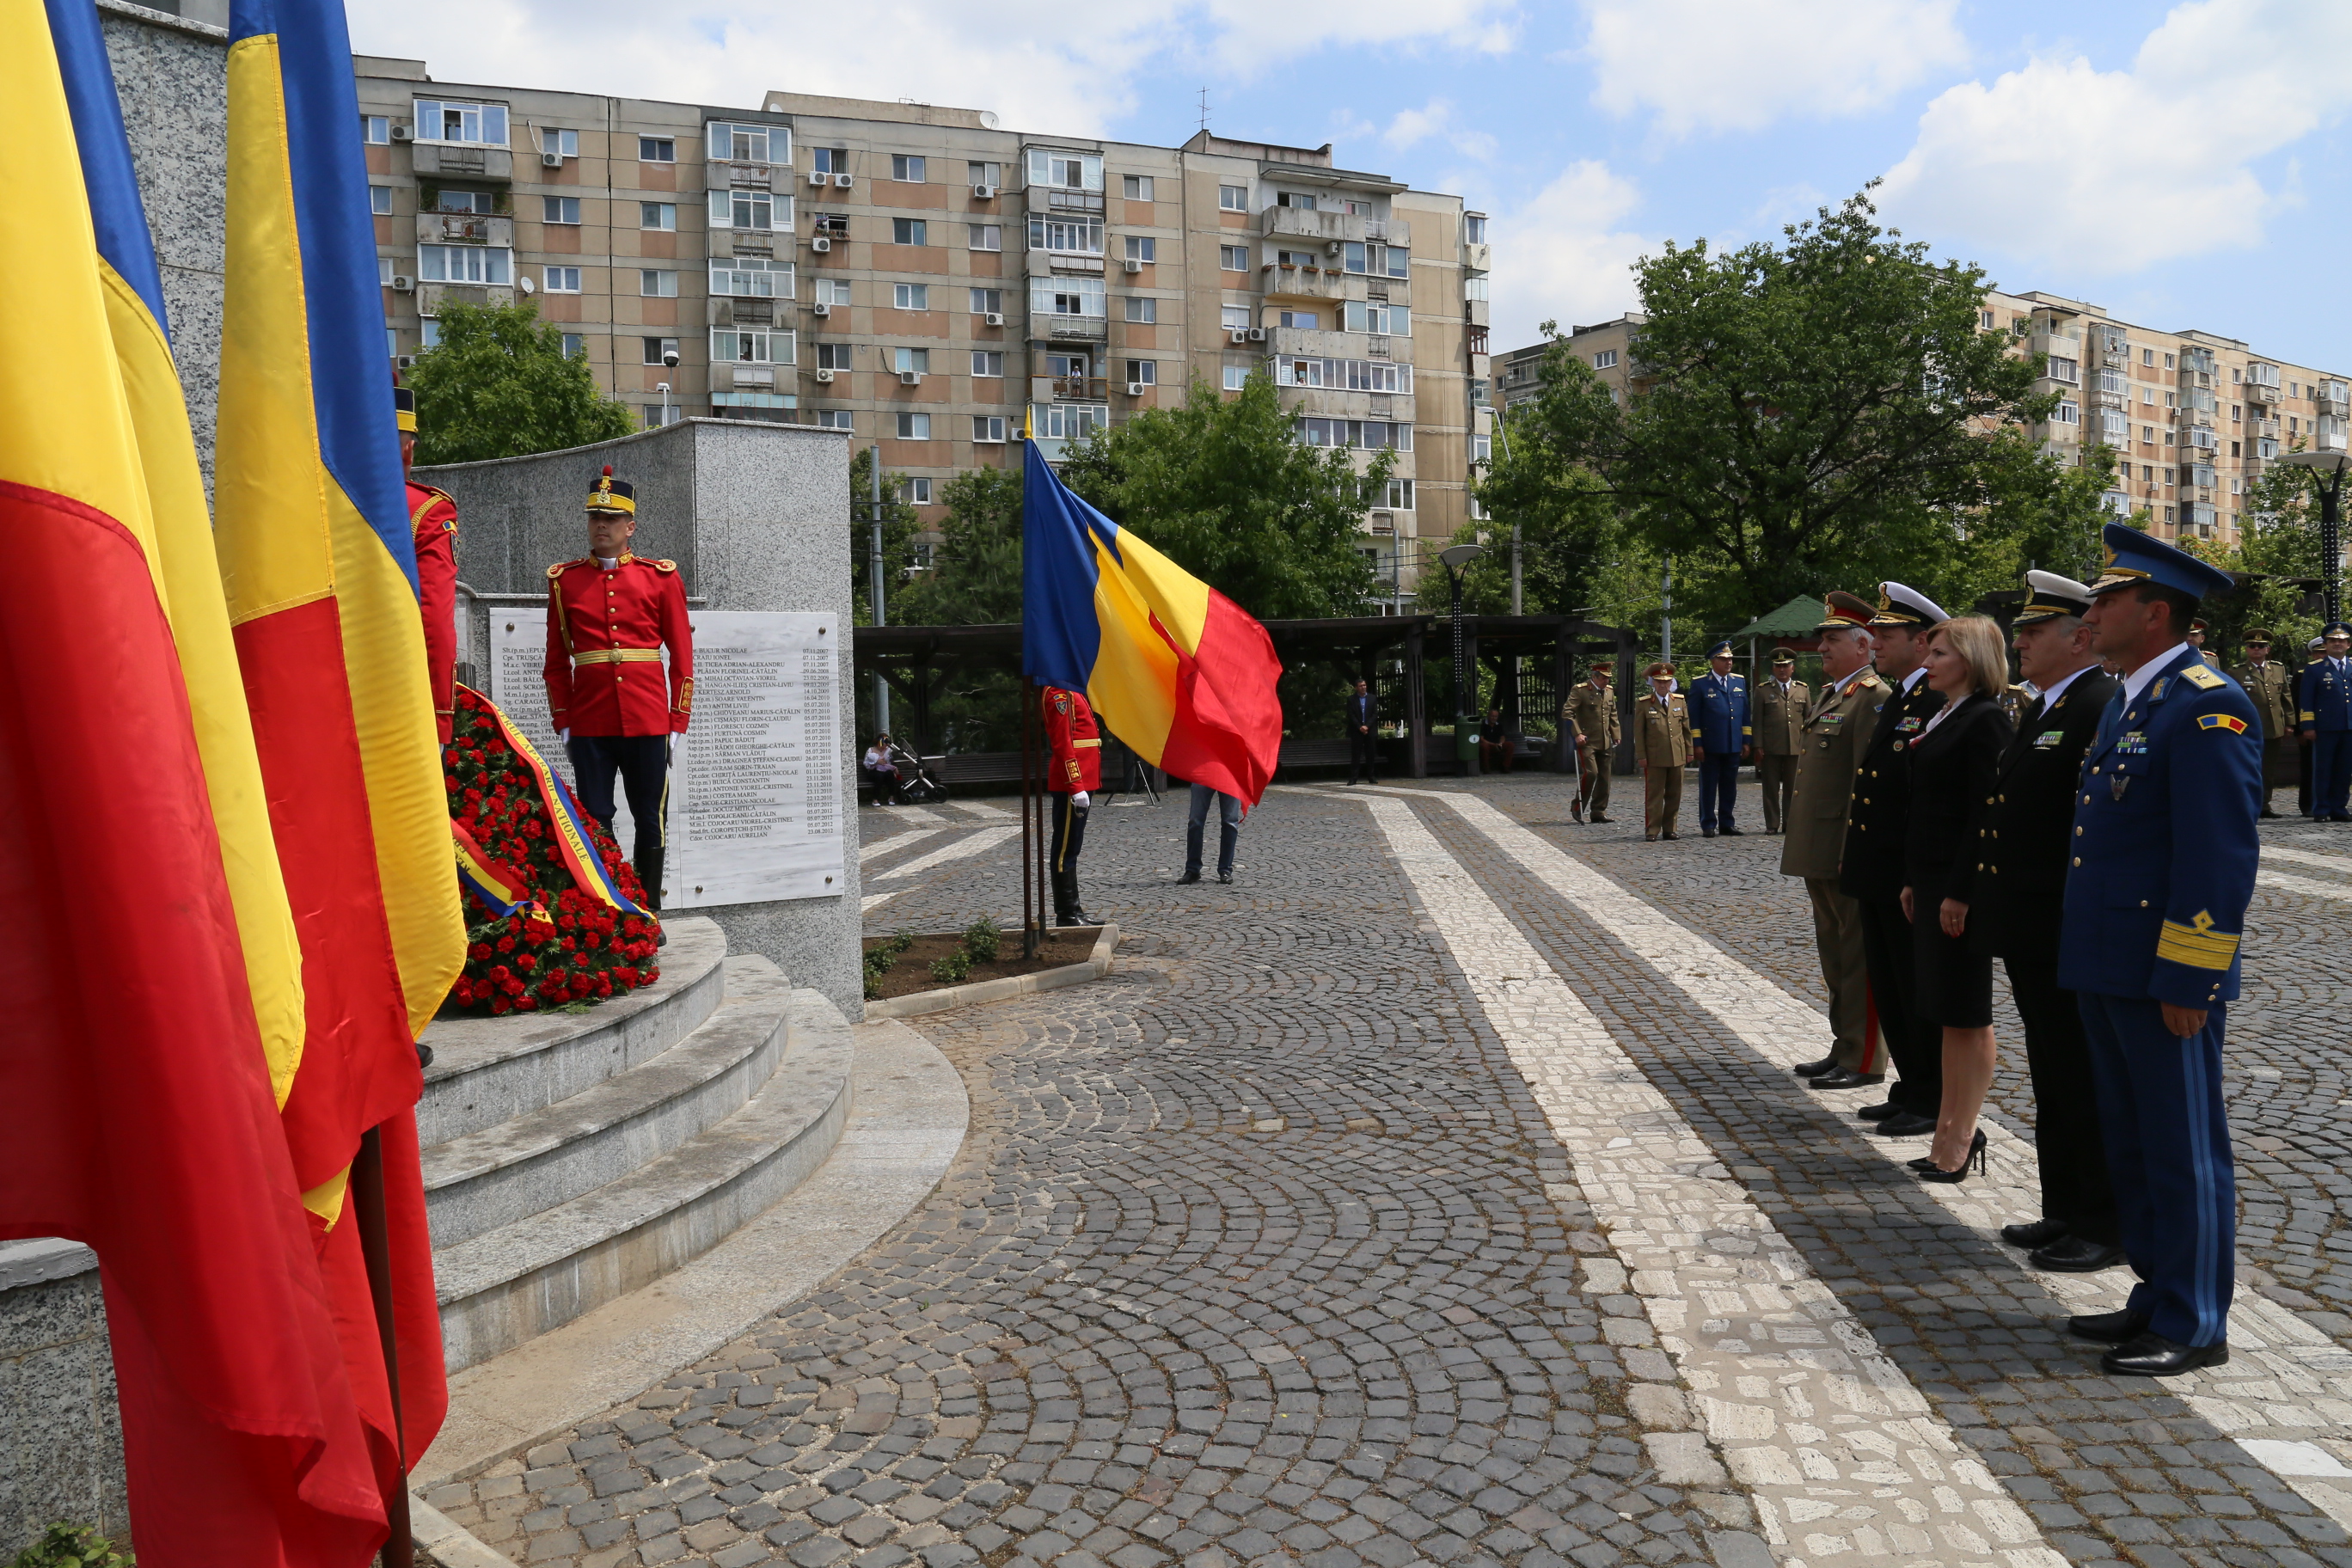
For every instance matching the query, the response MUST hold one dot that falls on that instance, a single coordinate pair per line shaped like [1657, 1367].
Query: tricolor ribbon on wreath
[587, 867]
[501, 887]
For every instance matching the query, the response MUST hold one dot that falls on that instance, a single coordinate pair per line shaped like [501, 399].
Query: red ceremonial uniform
[605, 631]
[432, 516]
[1076, 741]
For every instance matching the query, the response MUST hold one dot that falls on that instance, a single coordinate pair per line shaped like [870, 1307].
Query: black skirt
[1954, 977]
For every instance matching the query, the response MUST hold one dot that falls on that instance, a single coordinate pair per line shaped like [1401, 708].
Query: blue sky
[2183, 166]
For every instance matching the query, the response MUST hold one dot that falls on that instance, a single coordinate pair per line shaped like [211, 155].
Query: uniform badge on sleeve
[2235, 725]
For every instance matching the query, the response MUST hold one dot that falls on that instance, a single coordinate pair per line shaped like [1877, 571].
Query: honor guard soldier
[1720, 730]
[2270, 686]
[433, 522]
[1779, 736]
[1662, 743]
[1592, 707]
[1836, 731]
[1073, 772]
[2163, 868]
[2014, 915]
[2198, 631]
[2325, 719]
[1873, 868]
[609, 616]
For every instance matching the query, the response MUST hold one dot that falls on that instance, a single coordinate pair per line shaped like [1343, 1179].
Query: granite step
[481, 1181]
[512, 1283]
[486, 1071]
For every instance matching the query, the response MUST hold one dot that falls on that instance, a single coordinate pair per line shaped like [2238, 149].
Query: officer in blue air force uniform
[2163, 866]
[1718, 716]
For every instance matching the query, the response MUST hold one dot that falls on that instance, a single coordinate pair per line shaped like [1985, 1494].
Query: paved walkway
[1438, 1194]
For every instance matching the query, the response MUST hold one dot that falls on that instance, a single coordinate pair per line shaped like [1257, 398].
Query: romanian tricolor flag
[315, 552]
[154, 1004]
[1177, 670]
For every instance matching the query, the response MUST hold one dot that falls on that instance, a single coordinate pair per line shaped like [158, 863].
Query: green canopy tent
[1791, 625]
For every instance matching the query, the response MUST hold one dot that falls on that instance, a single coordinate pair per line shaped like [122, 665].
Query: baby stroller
[918, 784]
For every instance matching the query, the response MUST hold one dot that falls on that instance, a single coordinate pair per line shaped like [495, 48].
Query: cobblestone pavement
[1264, 1251]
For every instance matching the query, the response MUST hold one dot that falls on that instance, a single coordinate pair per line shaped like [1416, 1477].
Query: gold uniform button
[2078, 859]
[2095, 768]
[2078, 831]
[2143, 903]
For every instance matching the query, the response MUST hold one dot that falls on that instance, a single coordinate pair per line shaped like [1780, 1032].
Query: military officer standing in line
[1073, 773]
[433, 524]
[1873, 870]
[2165, 855]
[1592, 709]
[1661, 742]
[1721, 731]
[2313, 657]
[2014, 916]
[2327, 720]
[1836, 731]
[1780, 704]
[609, 616]
[2198, 630]
[2270, 687]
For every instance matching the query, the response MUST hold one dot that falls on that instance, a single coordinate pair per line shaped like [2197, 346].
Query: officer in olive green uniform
[1662, 743]
[2198, 631]
[1779, 705]
[2271, 688]
[1592, 709]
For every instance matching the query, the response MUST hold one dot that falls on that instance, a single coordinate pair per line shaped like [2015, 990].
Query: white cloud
[1564, 255]
[1705, 66]
[2093, 171]
[1414, 126]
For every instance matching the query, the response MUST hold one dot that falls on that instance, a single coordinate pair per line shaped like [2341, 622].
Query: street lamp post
[1455, 559]
[2331, 493]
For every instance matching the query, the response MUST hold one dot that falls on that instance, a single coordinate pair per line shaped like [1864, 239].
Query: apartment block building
[2193, 417]
[927, 279]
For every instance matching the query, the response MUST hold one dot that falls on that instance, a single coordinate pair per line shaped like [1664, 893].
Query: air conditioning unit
[1131, 266]
[994, 318]
[404, 134]
[984, 193]
[816, 177]
[1239, 336]
[821, 308]
[841, 181]
[824, 377]
[1335, 247]
[551, 160]
[820, 244]
[1135, 389]
[403, 284]
[1258, 334]
[406, 362]
[911, 378]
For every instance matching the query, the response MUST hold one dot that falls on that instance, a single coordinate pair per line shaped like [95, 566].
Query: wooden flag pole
[375, 1246]
[1028, 903]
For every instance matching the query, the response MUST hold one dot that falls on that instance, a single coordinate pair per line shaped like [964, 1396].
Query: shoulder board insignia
[561, 567]
[2231, 722]
[2202, 676]
[1867, 683]
[659, 565]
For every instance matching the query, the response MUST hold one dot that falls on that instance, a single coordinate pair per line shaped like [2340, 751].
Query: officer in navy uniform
[2163, 868]
[1719, 724]
[2325, 720]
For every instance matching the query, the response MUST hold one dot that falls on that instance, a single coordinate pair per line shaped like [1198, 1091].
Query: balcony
[464, 229]
[1067, 263]
[1068, 389]
[459, 161]
[742, 176]
[1474, 313]
[2332, 402]
[743, 312]
[1478, 256]
[1336, 403]
[1309, 343]
[728, 377]
[431, 297]
[2059, 368]
[1061, 200]
[1304, 223]
[2256, 391]
[1045, 327]
[1280, 282]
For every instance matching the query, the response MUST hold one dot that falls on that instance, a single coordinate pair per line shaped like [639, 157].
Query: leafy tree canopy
[900, 523]
[498, 384]
[975, 575]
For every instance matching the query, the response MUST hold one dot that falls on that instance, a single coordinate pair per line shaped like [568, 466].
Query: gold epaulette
[659, 565]
[1867, 683]
[561, 567]
[2201, 676]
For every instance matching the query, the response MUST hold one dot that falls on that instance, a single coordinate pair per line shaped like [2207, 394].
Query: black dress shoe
[2109, 1328]
[1188, 877]
[1846, 1077]
[2033, 1233]
[1879, 1112]
[2152, 1355]
[1706, 832]
[1602, 816]
[1731, 832]
[1670, 836]
[1903, 1124]
[2075, 1255]
[1815, 1070]
[2268, 813]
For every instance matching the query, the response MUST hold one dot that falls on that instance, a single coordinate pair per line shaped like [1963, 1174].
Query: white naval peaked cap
[2049, 596]
[1902, 606]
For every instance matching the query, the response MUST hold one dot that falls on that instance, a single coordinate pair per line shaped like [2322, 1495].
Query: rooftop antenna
[1204, 109]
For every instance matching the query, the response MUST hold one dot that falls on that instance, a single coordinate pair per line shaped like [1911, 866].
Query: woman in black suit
[1955, 772]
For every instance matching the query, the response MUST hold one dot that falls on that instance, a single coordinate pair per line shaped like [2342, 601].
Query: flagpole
[1028, 917]
[375, 1246]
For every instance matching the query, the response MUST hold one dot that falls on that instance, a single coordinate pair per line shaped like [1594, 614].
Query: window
[1068, 421]
[1473, 232]
[983, 236]
[1370, 316]
[988, 363]
[464, 264]
[833, 356]
[1135, 187]
[749, 209]
[1078, 235]
[751, 144]
[911, 296]
[563, 143]
[1605, 360]
[562, 280]
[1233, 318]
[739, 346]
[909, 231]
[1372, 433]
[1297, 259]
[989, 175]
[1349, 375]
[1308, 320]
[2147, 356]
[2167, 362]
[835, 419]
[833, 290]
[559, 209]
[1234, 258]
[658, 283]
[575, 345]
[380, 200]
[1142, 247]
[656, 349]
[383, 265]
[830, 160]
[1071, 170]
[913, 491]
[751, 276]
[2066, 414]
[2065, 370]
[428, 334]
[446, 200]
[1142, 310]
[1236, 377]
[375, 130]
[917, 360]
[914, 427]
[988, 428]
[906, 170]
[1985, 320]
[1300, 200]
[1475, 285]
[2267, 446]
[660, 413]
[2147, 396]
[1482, 446]
[479, 124]
[2234, 412]
[1232, 198]
[656, 150]
[1068, 297]
[1400, 495]
[1143, 370]
[657, 215]
[988, 301]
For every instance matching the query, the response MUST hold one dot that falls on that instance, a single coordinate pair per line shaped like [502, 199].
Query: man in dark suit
[2019, 895]
[1363, 739]
[1872, 869]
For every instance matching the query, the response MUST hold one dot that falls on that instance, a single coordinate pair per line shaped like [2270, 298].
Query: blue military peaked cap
[1722, 648]
[2134, 557]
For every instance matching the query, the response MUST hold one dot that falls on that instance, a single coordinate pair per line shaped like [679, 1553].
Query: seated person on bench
[880, 770]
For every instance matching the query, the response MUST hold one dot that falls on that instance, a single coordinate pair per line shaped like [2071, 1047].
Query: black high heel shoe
[1974, 1157]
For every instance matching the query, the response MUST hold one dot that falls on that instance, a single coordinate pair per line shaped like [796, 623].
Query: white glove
[1080, 801]
[563, 737]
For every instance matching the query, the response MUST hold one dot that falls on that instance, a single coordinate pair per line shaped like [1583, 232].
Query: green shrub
[980, 940]
[71, 1546]
[953, 968]
[900, 941]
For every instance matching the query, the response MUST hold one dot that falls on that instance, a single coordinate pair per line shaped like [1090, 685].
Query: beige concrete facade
[926, 279]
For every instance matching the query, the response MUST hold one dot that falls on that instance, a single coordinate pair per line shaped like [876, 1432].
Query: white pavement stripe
[979, 808]
[1840, 1453]
[971, 844]
[2287, 883]
[915, 814]
[2272, 1391]
[2333, 862]
[895, 842]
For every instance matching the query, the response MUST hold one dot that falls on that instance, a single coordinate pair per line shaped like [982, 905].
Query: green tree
[900, 524]
[498, 384]
[2278, 554]
[1226, 490]
[1814, 415]
[975, 569]
[1568, 529]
